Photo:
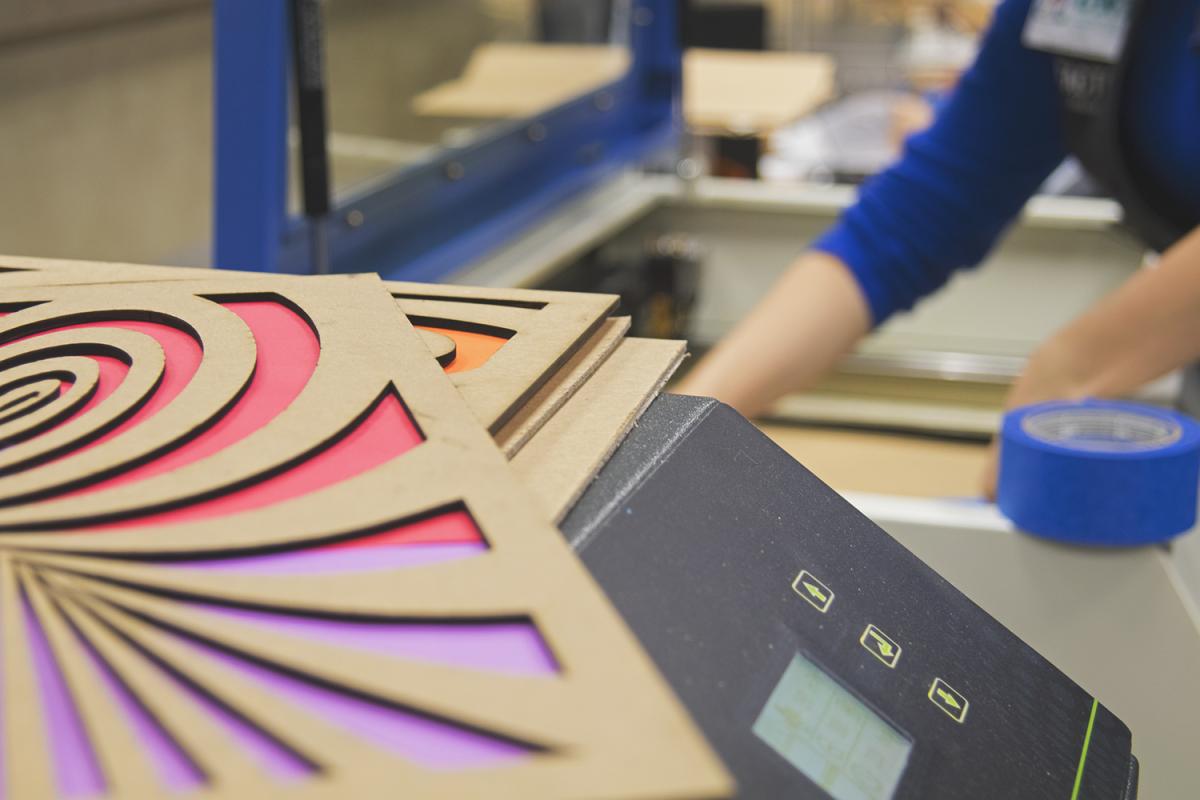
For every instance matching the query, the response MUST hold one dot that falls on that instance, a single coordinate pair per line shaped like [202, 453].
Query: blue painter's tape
[1099, 472]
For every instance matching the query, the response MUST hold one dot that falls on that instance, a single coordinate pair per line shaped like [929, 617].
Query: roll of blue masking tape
[1099, 472]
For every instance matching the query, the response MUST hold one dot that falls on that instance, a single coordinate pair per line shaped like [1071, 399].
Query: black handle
[309, 66]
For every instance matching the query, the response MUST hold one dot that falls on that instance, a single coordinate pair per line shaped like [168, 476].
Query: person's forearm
[1143, 330]
[1149, 326]
[811, 317]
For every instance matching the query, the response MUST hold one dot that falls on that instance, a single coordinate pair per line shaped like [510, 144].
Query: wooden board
[523, 337]
[565, 455]
[883, 463]
[748, 92]
[551, 396]
[509, 341]
[724, 91]
[523, 79]
[256, 544]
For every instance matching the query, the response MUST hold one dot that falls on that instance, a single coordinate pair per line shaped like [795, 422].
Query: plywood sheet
[857, 461]
[521, 79]
[255, 544]
[724, 91]
[509, 341]
[752, 92]
[551, 396]
[526, 336]
[564, 456]
[918, 404]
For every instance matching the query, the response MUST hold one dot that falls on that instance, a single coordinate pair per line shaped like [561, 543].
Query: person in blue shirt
[1128, 106]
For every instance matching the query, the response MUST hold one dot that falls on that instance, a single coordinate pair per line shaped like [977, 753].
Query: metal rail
[431, 217]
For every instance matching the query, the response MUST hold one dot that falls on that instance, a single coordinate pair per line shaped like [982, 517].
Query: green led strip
[1087, 740]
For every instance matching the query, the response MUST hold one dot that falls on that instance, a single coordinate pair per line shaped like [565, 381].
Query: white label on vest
[1092, 29]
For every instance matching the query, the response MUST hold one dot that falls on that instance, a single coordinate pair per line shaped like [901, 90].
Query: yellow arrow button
[880, 645]
[813, 591]
[949, 700]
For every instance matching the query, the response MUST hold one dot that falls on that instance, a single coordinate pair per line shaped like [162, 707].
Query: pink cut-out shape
[286, 356]
[428, 742]
[451, 527]
[76, 770]
[112, 373]
[181, 354]
[386, 433]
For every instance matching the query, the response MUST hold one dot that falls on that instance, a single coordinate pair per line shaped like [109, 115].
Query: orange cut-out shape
[474, 349]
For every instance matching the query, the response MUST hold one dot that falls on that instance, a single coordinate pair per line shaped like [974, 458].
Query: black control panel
[820, 657]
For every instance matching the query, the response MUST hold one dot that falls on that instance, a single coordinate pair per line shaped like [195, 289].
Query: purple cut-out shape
[3, 743]
[430, 743]
[76, 770]
[513, 648]
[328, 562]
[177, 771]
[274, 759]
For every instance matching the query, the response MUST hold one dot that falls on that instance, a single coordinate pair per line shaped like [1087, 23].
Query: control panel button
[945, 697]
[816, 593]
[880, 645]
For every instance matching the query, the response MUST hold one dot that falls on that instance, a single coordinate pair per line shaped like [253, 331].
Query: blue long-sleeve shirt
[962, 181]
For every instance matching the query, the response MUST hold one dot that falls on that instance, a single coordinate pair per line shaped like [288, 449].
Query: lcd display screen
[831, 736]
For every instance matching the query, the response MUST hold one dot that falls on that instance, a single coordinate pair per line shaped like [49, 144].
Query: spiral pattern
[133, 421]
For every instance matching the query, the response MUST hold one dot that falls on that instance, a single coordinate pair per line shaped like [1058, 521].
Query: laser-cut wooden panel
[251, 540]
[564, 456]
[532, 415]
[511, 340]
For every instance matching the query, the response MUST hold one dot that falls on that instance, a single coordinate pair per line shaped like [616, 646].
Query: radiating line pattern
[79, 386]
[251, 539]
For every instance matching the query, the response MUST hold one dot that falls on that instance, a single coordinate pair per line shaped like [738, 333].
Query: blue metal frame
[250, 91]
[430, 219]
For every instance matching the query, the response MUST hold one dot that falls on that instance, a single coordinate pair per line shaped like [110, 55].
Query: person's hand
[1052, 373]
[1147, 327]
[991, 471]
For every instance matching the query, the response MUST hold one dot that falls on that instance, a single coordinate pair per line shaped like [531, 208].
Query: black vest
[1090, 94]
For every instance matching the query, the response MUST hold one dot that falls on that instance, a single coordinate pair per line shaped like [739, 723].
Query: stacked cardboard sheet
[258, 536]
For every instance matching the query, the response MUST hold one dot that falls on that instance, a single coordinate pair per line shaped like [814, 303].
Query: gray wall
[105, 112]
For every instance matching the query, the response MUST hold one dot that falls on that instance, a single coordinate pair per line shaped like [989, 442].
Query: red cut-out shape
[386, 433]
[473, 349]
[182, 358]
[452, 527]
[112, 373]
[287, 352]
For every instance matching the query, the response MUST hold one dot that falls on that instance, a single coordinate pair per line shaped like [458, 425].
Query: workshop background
[106, 153]
[95, 91]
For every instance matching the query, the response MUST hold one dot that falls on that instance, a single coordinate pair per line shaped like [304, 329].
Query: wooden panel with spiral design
[253, 542]
[499, 345]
